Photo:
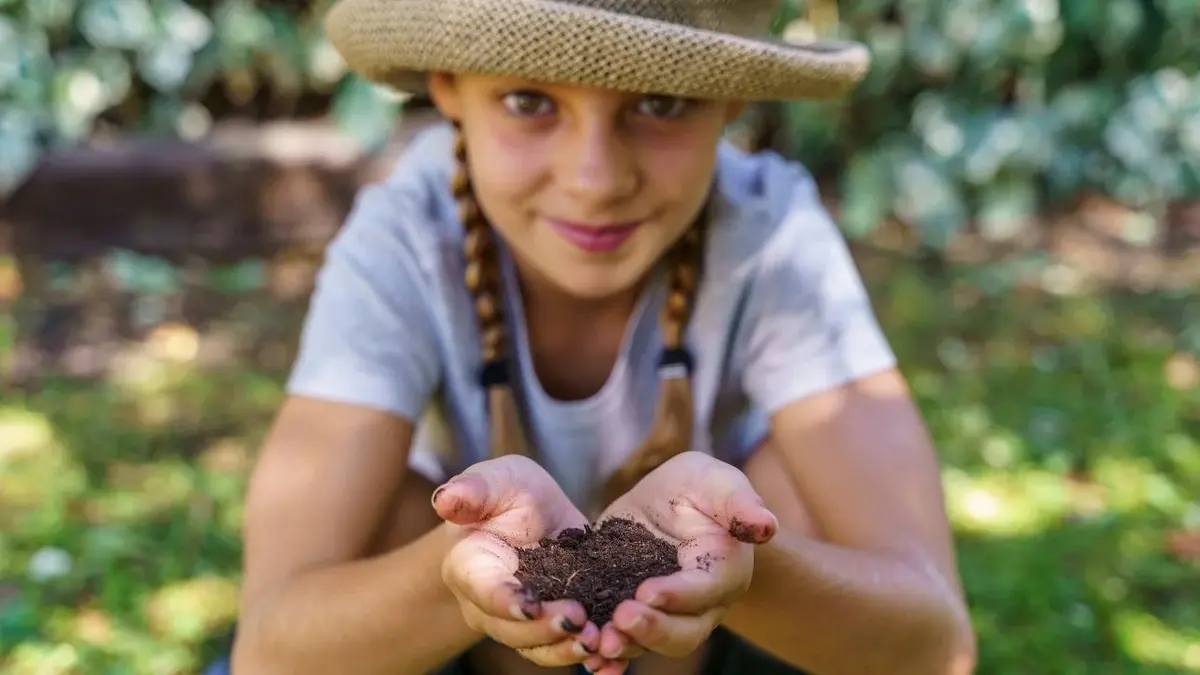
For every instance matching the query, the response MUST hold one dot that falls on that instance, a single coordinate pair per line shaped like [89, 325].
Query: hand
[711, 505]
[500, 505]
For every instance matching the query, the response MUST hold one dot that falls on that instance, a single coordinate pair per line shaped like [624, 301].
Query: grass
[1069, 428]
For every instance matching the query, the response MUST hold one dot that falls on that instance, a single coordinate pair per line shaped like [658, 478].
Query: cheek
[508, 169]
[680, 171]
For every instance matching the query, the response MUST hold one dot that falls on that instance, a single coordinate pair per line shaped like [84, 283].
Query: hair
[671, 433]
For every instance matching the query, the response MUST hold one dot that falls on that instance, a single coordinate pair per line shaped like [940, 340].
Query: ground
[1069, 429]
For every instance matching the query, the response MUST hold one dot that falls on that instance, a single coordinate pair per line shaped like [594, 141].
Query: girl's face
[588, 187]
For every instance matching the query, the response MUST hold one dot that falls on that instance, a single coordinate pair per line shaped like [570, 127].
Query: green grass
[1069, 428]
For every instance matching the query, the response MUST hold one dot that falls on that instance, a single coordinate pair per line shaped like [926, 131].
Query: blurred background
[1020, 180]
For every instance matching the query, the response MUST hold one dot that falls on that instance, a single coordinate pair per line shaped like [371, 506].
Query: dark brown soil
[598, 566]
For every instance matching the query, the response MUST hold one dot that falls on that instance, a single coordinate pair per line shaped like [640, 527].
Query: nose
[596, 164]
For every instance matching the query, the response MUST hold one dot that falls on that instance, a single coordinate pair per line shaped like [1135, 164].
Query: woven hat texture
[694, 48]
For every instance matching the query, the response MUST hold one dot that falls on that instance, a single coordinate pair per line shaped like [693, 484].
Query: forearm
[386, 615]
[837, 611]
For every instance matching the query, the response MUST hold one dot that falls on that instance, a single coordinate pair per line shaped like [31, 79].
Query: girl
[578, 300]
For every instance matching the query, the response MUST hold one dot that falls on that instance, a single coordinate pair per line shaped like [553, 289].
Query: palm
[533, 512]
[504, 504]
[688, 501]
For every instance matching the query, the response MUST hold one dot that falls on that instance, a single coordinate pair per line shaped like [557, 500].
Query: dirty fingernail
[437, 493]
[517, 612]
[579, 650]
[568, 626]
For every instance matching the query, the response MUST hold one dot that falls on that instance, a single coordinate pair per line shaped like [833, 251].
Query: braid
[671, 433]
[483, 282]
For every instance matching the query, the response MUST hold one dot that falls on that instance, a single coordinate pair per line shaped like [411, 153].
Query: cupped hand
[709, 509]
[498, 506]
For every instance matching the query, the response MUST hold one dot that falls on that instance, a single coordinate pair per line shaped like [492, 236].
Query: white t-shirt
[780, 314]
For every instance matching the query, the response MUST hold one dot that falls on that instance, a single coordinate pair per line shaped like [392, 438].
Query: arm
[883, 581]
[879, 593]
[313, 601]
[311, 604]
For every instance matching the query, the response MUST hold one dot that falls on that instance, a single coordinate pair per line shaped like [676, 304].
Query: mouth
[595, 238]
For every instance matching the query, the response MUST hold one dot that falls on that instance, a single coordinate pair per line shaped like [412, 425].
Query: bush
[990, 110]
[975, 110]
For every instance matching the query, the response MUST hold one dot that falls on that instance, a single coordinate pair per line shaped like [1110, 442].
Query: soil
[597, 566]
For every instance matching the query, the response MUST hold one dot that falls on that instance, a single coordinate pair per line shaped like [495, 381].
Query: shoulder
[768, 209]
[408, 217]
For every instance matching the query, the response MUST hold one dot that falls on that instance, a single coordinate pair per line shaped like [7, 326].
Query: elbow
[250, 657]
[253, 653]
[946, 645]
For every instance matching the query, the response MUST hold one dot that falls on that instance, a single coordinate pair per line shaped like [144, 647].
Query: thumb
[747, 518]
[481, 492]
[738, 508]
[463, 500]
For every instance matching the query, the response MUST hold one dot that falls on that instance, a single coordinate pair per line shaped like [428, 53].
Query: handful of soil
[597, 566]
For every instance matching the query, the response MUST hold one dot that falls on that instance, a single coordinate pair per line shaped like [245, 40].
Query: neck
[547, 304]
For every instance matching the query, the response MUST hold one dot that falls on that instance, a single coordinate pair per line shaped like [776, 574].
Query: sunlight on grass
[1134, 483]
[41, 658]
[1066, 430]
[146, 388]
[1006, 504]
[38, 476]
[1149, 640]
[138, 492]
[24, 433]
[191, 610]
[97, 632]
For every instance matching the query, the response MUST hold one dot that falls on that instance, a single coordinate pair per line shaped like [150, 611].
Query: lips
[593, 238]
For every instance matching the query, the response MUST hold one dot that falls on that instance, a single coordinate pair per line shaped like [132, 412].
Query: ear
[443, 90]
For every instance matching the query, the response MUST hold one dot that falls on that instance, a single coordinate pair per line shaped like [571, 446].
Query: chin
[598, 283]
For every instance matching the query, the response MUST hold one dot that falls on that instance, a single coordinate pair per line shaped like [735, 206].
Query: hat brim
[397, 42]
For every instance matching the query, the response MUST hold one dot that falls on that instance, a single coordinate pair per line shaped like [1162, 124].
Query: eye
[528, 103]
[664, 106]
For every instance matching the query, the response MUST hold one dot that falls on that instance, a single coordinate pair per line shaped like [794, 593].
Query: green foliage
[68, 67]
[1066, 427]
[985, 111]
[979, 111]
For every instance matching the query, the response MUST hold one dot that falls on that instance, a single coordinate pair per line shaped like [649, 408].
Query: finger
[746, 517]
[565, 652]
[479, 571]
[607, 668]
[596, 663]
[553, 627]
[671, 635]
[467, 499]
[615, 645]
[691, 591]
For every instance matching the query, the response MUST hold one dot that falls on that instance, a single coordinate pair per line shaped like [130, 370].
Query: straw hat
[689, 48]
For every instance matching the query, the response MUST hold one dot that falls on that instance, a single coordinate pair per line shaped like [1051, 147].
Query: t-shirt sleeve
[808, 323]
[368, 338]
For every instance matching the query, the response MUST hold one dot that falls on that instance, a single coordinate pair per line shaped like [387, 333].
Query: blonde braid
[483, 281]
[671, 433]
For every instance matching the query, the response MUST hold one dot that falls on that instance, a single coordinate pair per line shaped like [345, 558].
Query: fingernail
[568, 626]
[655, 601]
[579, 650]
[517, 612]
[437, 493]
[638, 623]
